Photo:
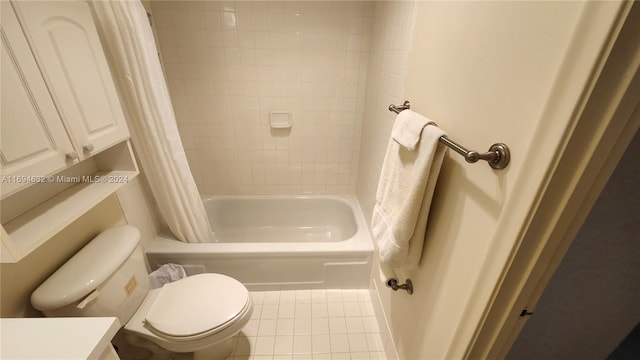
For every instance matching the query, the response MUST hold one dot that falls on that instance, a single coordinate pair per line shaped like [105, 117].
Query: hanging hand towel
[405, 190]
[408, 128]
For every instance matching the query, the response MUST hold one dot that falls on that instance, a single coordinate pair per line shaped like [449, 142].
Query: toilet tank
[107, 277]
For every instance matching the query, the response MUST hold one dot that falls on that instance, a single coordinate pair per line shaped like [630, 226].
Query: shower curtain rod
[498, 155]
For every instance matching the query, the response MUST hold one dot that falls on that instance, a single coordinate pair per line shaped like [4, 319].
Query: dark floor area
[629, 348]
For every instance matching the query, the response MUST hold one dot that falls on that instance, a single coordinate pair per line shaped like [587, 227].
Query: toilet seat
[196, 307]
[137, 330]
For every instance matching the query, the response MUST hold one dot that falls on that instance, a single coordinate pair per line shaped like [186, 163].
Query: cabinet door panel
[26, 133]
[68, 49]
[33, 139]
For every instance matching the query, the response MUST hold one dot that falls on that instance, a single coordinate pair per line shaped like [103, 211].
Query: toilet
[199, 314]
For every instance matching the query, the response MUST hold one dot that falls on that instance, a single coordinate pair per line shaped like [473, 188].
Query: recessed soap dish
[280, 119]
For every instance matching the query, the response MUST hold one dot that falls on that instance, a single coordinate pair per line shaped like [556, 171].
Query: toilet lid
[196, 304]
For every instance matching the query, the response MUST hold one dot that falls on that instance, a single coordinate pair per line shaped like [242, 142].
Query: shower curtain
[128, 40]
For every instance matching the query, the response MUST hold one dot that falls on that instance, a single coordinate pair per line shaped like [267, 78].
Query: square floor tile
[260, 357]
[354, 324]
[271, 297]
[370, 324]
[302, 327]
[287, 297]
[366, 309]
[257, 312]
[319, 295]
[351, 309]
[349, 295]
[340, 356]
[319, 309]
[282, 357]
[339, 343]
[257, 297]
[358, 343]
[251, 329]
[334, 296]
[269, 311]
[267, 327]
[321, 344]
[264, 345]
[337, 325]
[286, 311]
[360, 356]
[310, 325]
[303, 296]
[285, 327]
[335, 309]
[303, 311]
[302, 344]
[283, 345]
[374, 342]
[319, 326]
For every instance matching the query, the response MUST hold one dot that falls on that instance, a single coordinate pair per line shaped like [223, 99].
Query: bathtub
[278, 243]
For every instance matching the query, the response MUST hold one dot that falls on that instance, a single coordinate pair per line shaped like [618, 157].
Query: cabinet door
[66, 45]
[34, 141]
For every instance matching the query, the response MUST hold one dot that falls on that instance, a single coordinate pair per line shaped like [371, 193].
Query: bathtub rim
[359, 244]
[342, 202]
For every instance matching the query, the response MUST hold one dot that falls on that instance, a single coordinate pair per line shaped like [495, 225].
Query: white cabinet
[65, 144]
[34, 140]
[59, 101]
[67, 47]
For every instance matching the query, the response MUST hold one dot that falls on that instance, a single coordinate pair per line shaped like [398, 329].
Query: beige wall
[485, 72]
[19, 280]
[228, 64]
[139, 209]
[131, 204]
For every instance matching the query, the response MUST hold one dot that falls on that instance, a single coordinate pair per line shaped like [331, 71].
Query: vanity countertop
[56, 338]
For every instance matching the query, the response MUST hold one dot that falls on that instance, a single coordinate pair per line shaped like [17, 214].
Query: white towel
[404, 194]
[407, 128]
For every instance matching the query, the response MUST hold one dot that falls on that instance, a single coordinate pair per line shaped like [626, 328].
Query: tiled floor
[310, 324]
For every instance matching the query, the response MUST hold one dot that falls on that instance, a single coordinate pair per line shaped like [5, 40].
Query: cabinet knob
[71, 155]
[88, 147]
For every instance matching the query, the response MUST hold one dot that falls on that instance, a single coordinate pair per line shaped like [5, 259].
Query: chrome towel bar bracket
[498, 155]
[407, 286]
[396, 109]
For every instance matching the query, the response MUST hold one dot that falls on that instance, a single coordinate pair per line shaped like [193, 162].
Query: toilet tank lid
[87, 269]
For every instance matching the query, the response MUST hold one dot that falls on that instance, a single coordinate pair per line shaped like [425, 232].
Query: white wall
[229, 63]
[485, 72]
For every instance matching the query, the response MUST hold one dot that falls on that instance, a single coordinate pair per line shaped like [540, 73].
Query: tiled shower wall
[391, 40]
[390, 44]
[228, 64]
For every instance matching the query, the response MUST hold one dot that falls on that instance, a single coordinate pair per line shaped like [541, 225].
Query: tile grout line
[367, 334]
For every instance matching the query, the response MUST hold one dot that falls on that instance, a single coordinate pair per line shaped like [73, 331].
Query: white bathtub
[278, 242]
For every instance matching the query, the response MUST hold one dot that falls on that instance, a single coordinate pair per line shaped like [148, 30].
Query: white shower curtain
[127, 36]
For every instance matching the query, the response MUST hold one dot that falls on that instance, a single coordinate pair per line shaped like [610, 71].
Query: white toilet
[108, 277]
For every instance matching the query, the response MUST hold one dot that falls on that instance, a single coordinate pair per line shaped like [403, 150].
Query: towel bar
[498, 155]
